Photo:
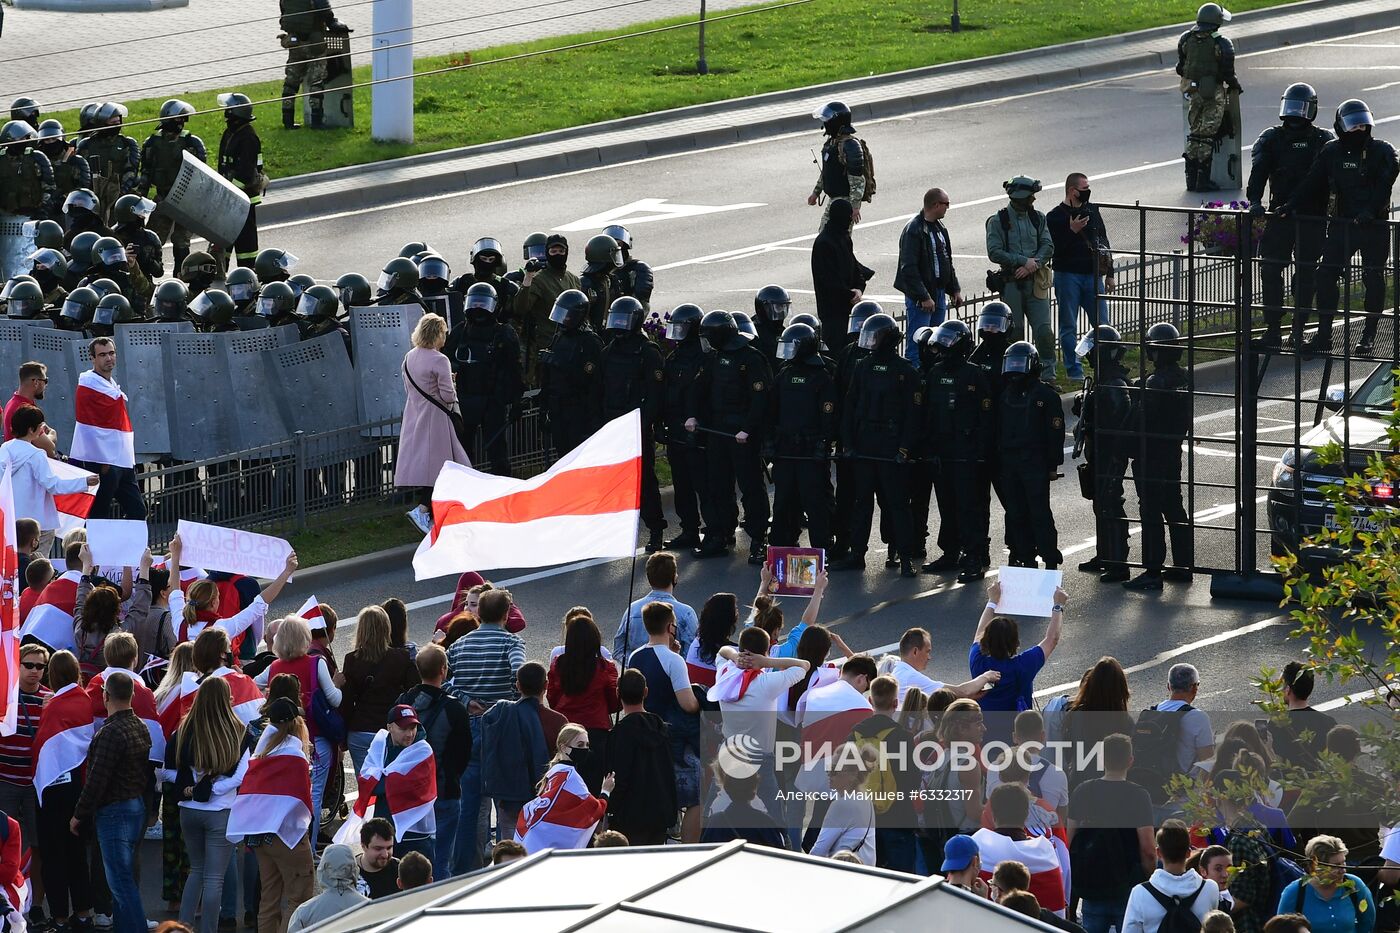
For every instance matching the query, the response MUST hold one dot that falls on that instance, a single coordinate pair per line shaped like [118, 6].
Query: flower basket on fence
[1219, 234]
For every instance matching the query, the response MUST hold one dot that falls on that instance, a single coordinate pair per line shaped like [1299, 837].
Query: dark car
[1297, 507]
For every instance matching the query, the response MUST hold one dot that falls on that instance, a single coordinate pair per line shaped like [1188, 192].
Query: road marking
[649, 209]
[1326, 67]
[523, 578]
[1353, 698]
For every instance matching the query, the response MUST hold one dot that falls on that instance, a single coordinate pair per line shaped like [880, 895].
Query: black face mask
[580, 757]
[1084, 196]
[45, 278]
[484, 270]
[1295, 124]
[109, 131]
[558, 262]
[1354, 141]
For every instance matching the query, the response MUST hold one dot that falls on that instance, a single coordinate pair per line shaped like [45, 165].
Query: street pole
[392, 101]
[701, 66]
[956, 24]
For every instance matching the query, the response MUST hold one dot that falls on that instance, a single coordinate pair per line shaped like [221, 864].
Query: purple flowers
[1220, 232]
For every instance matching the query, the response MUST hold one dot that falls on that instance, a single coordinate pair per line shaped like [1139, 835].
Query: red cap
[403, 715]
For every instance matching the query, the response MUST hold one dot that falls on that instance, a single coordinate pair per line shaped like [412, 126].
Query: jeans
[210, 851]
[228, 904]
[423, 845]
[359, 748]
[1073, 291]
[120, 827]
[466, 855]
[895, 849]
[1101, 916]
[117, 484]
[320, 768]
[916, 317]
[447, 813]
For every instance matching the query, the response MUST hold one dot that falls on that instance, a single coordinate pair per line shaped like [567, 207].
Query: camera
[534, 265]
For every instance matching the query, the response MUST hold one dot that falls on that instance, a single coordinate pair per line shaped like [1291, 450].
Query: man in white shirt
[35, 483]
[915, 649]
[1048, 784]
[826, 714]
[1195, 740]
[1148, 902]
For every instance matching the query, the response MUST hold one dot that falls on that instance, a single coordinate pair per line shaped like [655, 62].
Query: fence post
[1176, 288]
[299, 471]
[702, 67]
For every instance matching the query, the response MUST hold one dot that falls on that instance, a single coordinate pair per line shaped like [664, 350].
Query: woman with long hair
[97, 612]
[582, 685]
[1098, 709]
[194, 611]
[563, 787]
[175, 862]
[398, 626]
[65, 865]
[204, 765]
[719, 618]
[372, 678]
[572, 614]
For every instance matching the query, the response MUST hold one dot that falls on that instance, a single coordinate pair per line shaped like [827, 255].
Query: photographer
[1083, 266]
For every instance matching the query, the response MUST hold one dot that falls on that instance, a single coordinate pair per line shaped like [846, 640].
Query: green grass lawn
[375, 532]
[825, 40]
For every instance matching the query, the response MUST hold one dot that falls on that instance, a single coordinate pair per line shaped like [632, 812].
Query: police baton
[728, 434]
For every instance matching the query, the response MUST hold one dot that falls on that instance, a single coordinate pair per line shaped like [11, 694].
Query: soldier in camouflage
[842, 162]
[26, 178]
[540, 285]
[304, 26]
[113, 157]
[1206, 64]
[70, 170]
[161, 158]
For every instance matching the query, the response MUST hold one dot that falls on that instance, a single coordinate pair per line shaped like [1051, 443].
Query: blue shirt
[632, 633]
[1012, 693]
[787, 648]
[1338, 915]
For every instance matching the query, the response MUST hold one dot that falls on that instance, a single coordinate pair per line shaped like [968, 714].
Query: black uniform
[988, 358]
[1030, 445]
[1360, 176]
[634, 377]
[634, 280]
[957, 438]
[921, 473]
[1281, 157]
[881, 417]
[598, 287]
[506, 290]
[805, 427]
[846, 361]
[685, 451]
[1164, 420]
[767, 339]
[240, 161]
[730, 395]
[1105, 420]
[486, 366]
[571, 387]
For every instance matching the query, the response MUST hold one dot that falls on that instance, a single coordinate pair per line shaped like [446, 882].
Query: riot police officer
[880, 421]
[770, 310]
[199, 271]
[212, 311]
[161, 157]
[49, 268]
[850, 354]
[571, 389]
[79, 259]
[26, 177]
[48, 234]
[304, 25]
[274, 265]
[1105, 417]
[129, 218]
[921, 470]
[243, 287]
[1162, 420]
[113, 157]
[489, 267]
[170, 302]
[354, 291]
[110, 261]
[634, 377]
[534, 251]
[729, 399]
[316, 315]
[78, 309]
[602, 258]
[485, 355]
[70, 170]
[634, 277]
[1030, 447]
[685, 451]
[805, 427]
[958, 434]
[1205, 61]
[1358, 172]
[277, 304]
[434, 274]
[25, 301]
[542, 282]
[82, 214]
[993, 329]
[843, 164]
[240, 161]
[25, 109]
[398, 284]
[112, 310]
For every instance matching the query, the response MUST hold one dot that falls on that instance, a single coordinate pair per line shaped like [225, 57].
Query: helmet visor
[25, 307]
[105, 314]
[559, 314]
[992, 324]
[347, 297]
[79, 199]
[243, 291]
[1356, 119]
[854, 326]
[787, 349]
[778, 310]
[618, 320]
[229, 99]
[200, 307]
[166, 309]
[307, 305]
[45, 258]
[112, 256]
[488, 245]
[678, 331]
[75, 310]
[536, 251]
[869, 339]
[1016, 363]
[946, 338]
[433, 269]
[1295, 108]
[386, 281]
[144, 208]
[483, 302]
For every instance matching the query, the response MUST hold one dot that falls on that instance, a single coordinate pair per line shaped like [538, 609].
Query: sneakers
[420, 520]
[102, 921]
[155, 833]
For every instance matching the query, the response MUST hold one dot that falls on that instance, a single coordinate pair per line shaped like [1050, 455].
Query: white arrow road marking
[648, 209]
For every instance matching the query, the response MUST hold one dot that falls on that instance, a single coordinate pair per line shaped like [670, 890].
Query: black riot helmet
[26, 300]
[318, 303]
[833, 116]
[1100, 346]
[108, 251]
[278, 299]
[86, 115]
[536, 245]
[879, 332]
[80, 306]
[1211, 16]
[51, 138]
[434, 268]
[1299, 101]
[51, 261]
[274, 265]
[487, 257]
[48, 234]
[994, 319]
[1351, 115]
[718, 331]
[954, 339]
[413, 249]
[26, 109]
[104, 287]
[354, 290]
[859, 313]
[481, 303]
[170, 301]
[9, 286]
[772, 303]
[623, 236]
[300, 283]
[212, 308]
[174, 114]
[811, 320]
[242, 284]
[684, 322]
[111, 311]
[624, 316]
[238, 108]
[17, 133]
[799, 342]
[570, 310]
[744, 322]
[601, 253]
[197, 270]
[1163, 344]
[1021, 361]
[398, 274]
[132, 208]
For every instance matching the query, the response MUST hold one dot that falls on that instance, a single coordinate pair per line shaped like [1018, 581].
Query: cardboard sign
[116, 542]
[795, 569]
[1028, 591]
[231, 550]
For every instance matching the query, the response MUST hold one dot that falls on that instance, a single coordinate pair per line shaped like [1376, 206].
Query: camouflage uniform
[26, 182]
[1206, 64]
[161, 158]
[842, 172]
[114, 161]
[305, 23]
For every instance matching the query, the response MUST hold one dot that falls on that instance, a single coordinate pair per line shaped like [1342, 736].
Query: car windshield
[1376, 394]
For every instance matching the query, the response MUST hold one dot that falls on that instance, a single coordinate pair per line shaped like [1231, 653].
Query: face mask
[109, 131]
[558, 262]
[1354, 140]
[1022, 204]
[580, 756]
[1084, 195]
[484, 270]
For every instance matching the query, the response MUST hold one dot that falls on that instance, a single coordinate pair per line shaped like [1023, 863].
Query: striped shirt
[483, 665]
[17, 751]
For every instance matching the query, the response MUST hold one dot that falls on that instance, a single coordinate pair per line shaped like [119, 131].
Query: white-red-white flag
[143, 704]
[311, 612]
[410, 784]
[102, 433]
[62, 739]
[73, 507]
[51, 618]
[247, 699]
[587, 505]
[275, 796]
[9, 608]
[563, 816]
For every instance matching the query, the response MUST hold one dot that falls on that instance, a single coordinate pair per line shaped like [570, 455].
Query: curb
[393, 186]
[98, 6]
[338, 571]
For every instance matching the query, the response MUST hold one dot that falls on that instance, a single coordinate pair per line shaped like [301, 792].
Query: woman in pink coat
[427, 439]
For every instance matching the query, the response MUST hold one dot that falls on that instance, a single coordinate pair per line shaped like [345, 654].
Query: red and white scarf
[64, 734]
[732, 682]
[563, 816]
[102, 433]
[143, 704]
[51, 619]
[410, 784]
[1037, 853]
[275, 796]
[247, 699]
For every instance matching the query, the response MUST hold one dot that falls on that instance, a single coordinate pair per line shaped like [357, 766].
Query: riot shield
[141, 374]
[451, 307]
[205, 203]
[338, 100]
[258, 418]
[313, 384]
[1226, 165]
[250, 322]
[380, 335]
[199, 396]
[16, 245]
[11, 345]
[51, 347]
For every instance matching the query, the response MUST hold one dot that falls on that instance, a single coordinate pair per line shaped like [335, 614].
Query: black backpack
[1180, 918]
[1155, 739]
[641, 761]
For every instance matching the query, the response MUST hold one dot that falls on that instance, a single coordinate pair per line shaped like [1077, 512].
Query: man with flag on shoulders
[398, 782]
[102, 435]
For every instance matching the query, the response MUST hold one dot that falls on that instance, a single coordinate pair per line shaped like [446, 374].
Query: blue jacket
[632, 634]
[513, 753]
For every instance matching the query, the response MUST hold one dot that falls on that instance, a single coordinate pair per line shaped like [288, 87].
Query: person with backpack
[847, 169]
[1019, 242]
[448, 729]
[1330, 897]
[894, 781]
[1172, 736]
[643, 804]
[1175, 899]
[1250, 853]
[1205, 60]
[1110, 839]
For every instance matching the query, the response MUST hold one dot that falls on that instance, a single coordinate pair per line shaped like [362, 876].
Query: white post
[392, 102]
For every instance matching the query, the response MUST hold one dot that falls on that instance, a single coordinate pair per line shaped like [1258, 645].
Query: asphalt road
[1125, 133]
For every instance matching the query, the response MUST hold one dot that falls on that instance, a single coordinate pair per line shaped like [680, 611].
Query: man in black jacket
[926, 275]
[1081, 251]
[643, 804]
[448, 731]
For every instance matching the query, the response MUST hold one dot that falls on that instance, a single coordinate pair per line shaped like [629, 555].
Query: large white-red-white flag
[62, 740]
[247, 699]
[275, 796]
[9, 608]
[102, 433]
[586, 505]
[73, 507]
[51, 618]
[143, 704]
[563, 816]
[410, 784]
